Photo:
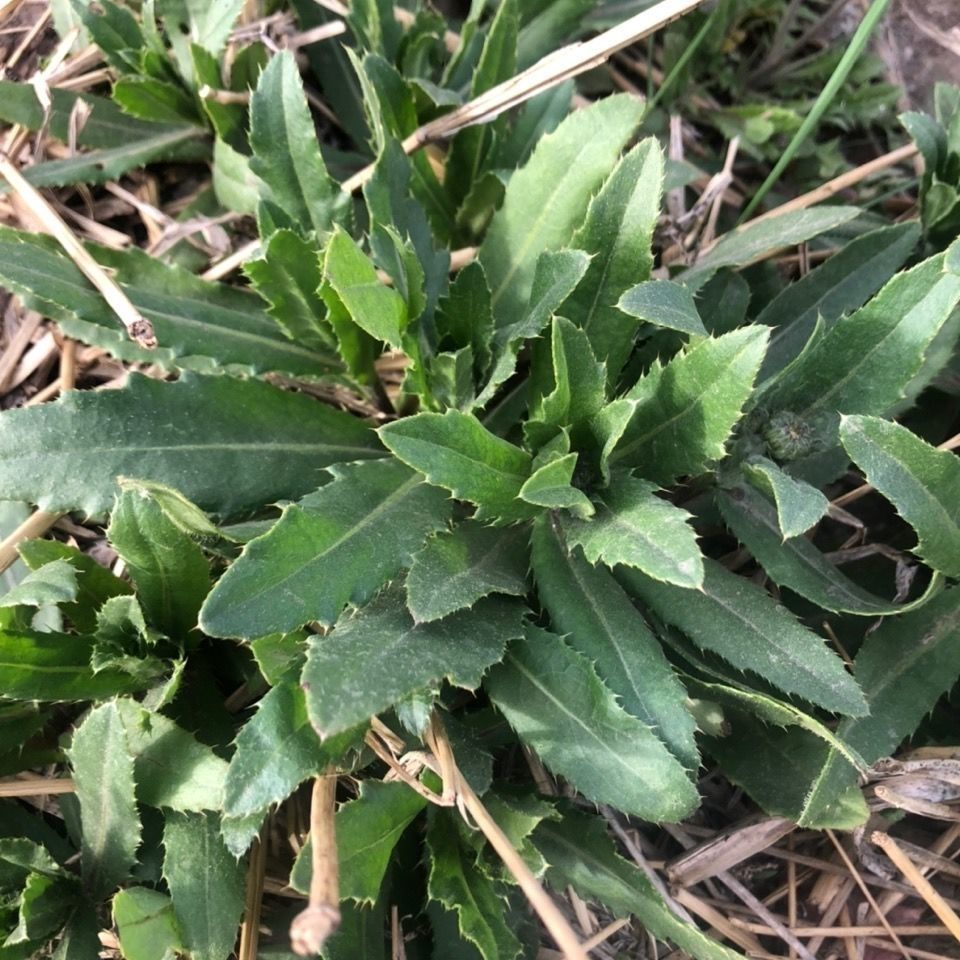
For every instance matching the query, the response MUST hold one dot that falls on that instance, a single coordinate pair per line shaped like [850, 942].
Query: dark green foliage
[525, 542]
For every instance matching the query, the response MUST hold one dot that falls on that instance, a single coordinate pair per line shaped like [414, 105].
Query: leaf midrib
[577, 721]
[370, 518]
[620, 452]
[842, 582]
[785, 650]
[864, 357]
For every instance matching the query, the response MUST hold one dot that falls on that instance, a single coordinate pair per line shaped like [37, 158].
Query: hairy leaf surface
[286, 155]
[206, 884]
[596, 617]
[55, 666]
[756, 240]
[196, 322]
[799, 505]
[170, 571]
[172, 768]
[192, 435]
[635, 527]
[737, 620]
[923, 483]
[582, 855]
[794, 563]
[553, 698]
[865, 361]
[460, 885]
[339, 546]
[379, 656]
[103, 774]
[684, 412]
[617, 233]
[368, 829]
[455, 569]
[665, 303]
[454, 450]
[546, 199]
[843, 284]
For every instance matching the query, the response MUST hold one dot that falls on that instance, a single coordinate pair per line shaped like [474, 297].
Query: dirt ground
[926, 35]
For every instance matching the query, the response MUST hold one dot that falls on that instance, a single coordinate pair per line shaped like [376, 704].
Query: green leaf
[454, 450]
[95, 584]
[578, 381]
[458, 883]
[753, 241]
[465, 316]
[156, 100]
[21, 856]
[581, 855]
[456, 568]
[685, 411]
[146, 924]
[734, 618]
[635, 527]
[546, 26]
[551, 695]
[367, 829]
[842, 284]
[360, 934]
[865, 361]
[171, 767]
[196, 322]
[288, 277]
[923, 483]
[123, 641]
[351, 282]
[777, 768]
[276, 751]
[546, 200]
[497, 63]
[597, 619]
[617, 232]
[795, 563]
[277, 654]
[234, 183]
[116, 32]
[665, 303]
[103, 774]
[210, 22]
[378, 656]
[44, 905]
[773, 712]
[206, 884]
[799, 505]
[54, 582]
[551, 486]
[286, 155]
[555, 276]
[168, 568]
[338, 546]
[392, 113]
[904, 669]
[183, 144]
[55, 666]
[192, 435]
[106, 124]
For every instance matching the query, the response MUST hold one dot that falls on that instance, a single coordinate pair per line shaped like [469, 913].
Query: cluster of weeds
[491, 500]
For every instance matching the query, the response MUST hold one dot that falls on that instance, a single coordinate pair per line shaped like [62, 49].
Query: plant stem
[827, 95]
[677, 69]
[313, 925]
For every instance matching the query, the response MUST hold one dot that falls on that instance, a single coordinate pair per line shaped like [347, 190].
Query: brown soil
[926, 34]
